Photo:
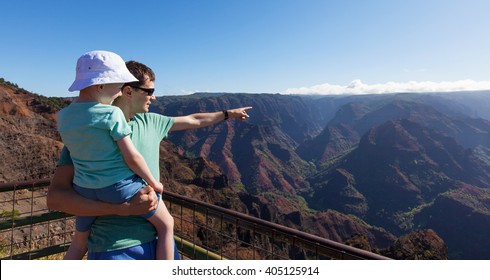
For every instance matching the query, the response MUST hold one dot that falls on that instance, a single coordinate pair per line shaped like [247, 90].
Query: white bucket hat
[100, 67]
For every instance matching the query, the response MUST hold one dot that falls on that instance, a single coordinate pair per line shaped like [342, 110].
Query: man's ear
[127, 90]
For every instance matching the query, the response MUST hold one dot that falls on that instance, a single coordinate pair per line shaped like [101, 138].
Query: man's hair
[140, 72]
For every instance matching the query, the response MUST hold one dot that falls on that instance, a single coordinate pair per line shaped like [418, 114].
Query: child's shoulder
[106, 108]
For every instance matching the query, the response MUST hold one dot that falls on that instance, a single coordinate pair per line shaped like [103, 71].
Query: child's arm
[137, 163]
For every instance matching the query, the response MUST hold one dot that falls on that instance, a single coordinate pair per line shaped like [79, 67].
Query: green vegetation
[4, 249]
[239, 187]
[476, 199]
[8, 84]
[49, 105]
[8, 215]
[332, 161]
[483, 154]
[405, 219]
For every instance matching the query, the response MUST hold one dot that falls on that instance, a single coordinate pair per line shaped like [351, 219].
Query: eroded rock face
[419, 245]
[29, 141]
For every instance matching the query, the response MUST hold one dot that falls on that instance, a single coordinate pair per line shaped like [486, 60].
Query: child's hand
[158, 187]
[142, 202]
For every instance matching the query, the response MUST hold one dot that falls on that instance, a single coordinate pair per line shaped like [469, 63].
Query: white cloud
[187, 92]
[358, 87]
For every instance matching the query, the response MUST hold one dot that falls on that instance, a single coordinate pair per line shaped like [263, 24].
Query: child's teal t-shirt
[110, 233]
[90, 130]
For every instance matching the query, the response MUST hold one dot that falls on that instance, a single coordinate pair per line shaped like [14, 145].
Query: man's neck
[125, 108]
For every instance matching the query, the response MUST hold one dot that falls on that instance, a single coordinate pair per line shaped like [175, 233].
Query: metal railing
[28, 230]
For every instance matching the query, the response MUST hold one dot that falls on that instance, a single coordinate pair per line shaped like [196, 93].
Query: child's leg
[78, 246]
[164, 224]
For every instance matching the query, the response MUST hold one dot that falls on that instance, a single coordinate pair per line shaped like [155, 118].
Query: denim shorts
[117, 193]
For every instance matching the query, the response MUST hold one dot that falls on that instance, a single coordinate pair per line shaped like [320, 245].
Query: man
[110, 237]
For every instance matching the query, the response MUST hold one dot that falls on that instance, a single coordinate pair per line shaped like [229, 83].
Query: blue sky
[274, 46]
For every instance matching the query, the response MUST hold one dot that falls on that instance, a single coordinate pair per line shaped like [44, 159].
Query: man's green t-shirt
[110, 233]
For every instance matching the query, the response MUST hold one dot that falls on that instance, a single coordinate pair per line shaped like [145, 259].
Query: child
[107, 166]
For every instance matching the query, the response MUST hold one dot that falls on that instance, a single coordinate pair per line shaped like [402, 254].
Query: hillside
[29, 143]
[375, 171]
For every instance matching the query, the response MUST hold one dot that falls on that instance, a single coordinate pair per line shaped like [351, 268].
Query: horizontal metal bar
[24, 221]
[40, 253]
[195, 251]
[31, 184]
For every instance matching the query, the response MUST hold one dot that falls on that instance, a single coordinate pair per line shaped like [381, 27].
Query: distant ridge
[218, 94]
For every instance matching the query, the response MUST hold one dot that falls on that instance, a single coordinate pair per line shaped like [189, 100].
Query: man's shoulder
[149, 117]
[152, 122]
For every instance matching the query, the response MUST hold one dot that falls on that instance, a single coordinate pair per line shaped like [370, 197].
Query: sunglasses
[148, 91]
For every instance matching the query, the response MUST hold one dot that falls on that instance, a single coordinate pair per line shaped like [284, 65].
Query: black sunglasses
[148, 91]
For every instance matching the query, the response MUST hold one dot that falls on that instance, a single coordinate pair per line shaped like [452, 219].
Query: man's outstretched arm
[199, 120]
[62, 197]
